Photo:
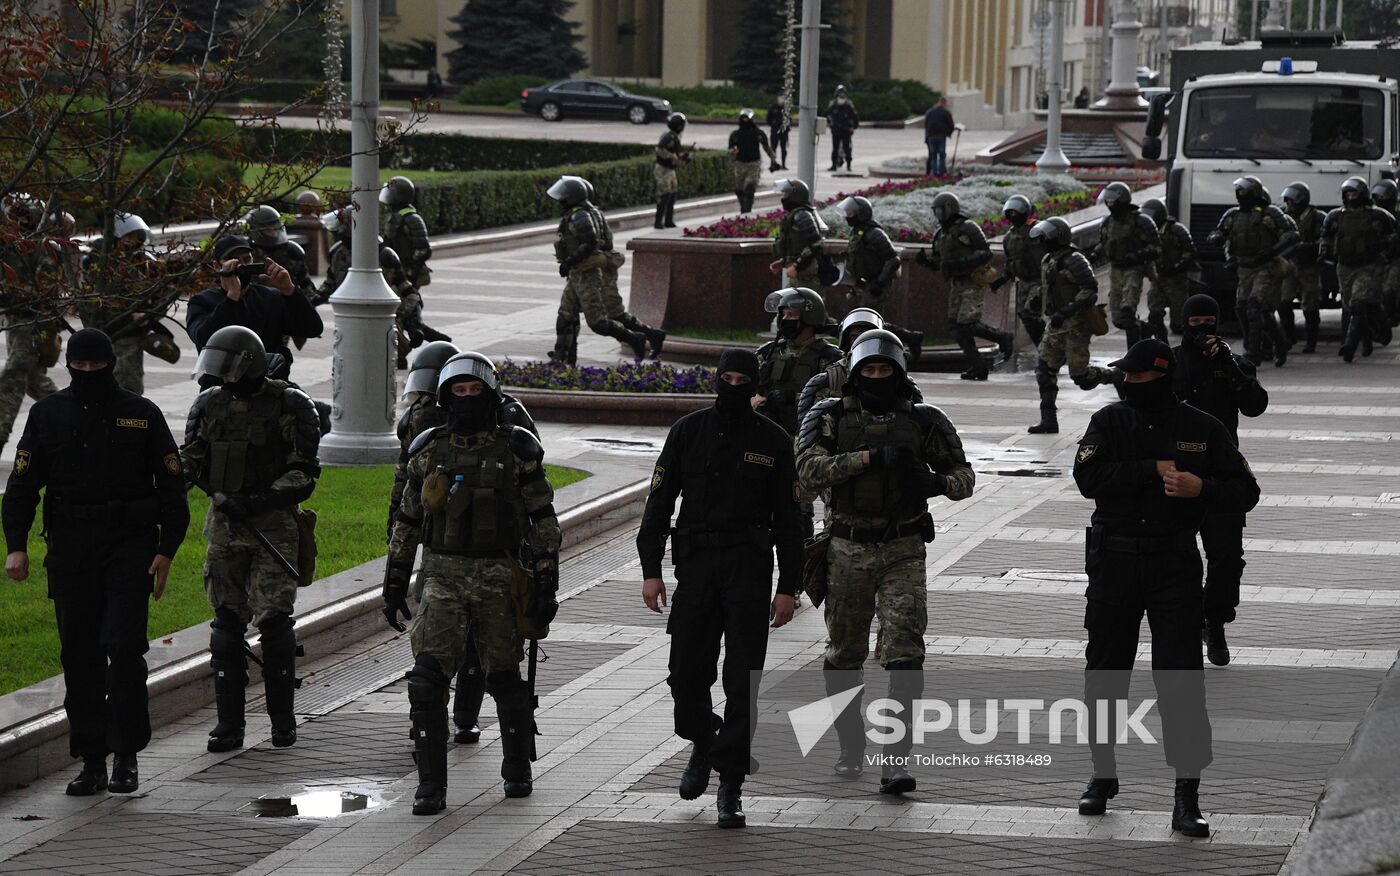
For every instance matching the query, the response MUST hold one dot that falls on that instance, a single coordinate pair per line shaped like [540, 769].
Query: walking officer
[961, 252]
[22, 259]
[882, 457]
[1068, 289]
[1356, 237]
[480, 504]
[124, 287]
[733, 472]
[114, 515]
[745, 144]
[250, 443]
[778, 125]
[830, 381]
[1304, 284]
[1154, 466]
[405, 232]
[1176, 257]
[1209, 377]
[1022, 265]
[612, 296]
[1385, 194]
[842, 119]
[1257, 236]
[798, 245]
[872, 263]
[670, 155]
[1130, 243]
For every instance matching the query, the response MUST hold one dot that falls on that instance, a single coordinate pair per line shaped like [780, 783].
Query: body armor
[578, 236]
[1309, 224]
[787, 368]
[877, 491]
[247, 451]
[1129, 240]
[868, 252]
[483, 514]
[1023, 255]
[669, 150]
[1064, 276]
[407, 235]
[1253, 233]
[1360, 236]
[1178, 252]
[797, 233]
[961, 248]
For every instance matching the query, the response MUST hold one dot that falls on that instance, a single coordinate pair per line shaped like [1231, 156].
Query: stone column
[1123, 92]
[1053, 160]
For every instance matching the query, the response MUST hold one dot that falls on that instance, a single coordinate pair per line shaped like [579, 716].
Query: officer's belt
[695, 537]
[870, 534]
[479, 554]
[1149, 544]
[119, 513]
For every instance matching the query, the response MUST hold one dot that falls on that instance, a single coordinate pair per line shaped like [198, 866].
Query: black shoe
[1006, 342]
[92, 779]
[974, 374]
[1280, 356]
[284, 738]
[225, 738]
[1217, 651]
[430, 803]
[1309, 348]
[1048, 425]
[467, 735]
[696, 777]
[124, 778]
[731, 808]
[1094, 800]
[1365, 347]
[834, 168]
[896, 780]
[656, 339]
[1186, 813]
[637, 341]
[401, 363]
[850, 764]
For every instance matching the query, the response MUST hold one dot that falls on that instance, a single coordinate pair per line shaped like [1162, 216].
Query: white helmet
[129, 223]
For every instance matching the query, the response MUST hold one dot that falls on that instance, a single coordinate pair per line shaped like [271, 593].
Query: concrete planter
[944, 357]
[610, 408]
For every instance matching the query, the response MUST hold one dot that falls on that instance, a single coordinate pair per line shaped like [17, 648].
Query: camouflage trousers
[1304, 286]
[131, 364]
[240, 575]
[806, 277]
[965, 301]
[1168, 292]
[1124, 293]
[1360, 284]
[885, 580]
[583, 293]
[1390, 288]
[1067, 344]
[665, 178]
[461, 591]
[22, 375]
[1028, 301]
[747, 173]
[1260, 284]
[612, 294]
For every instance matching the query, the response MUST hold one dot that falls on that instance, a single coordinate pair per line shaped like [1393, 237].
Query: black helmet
[1054, 231]
[877, 344]
[857, 210]
[389, 260]
[1355, 186]
[427, 362]
[676, 122]
[840, 90]
[1297, 194]
[1249, 188]
[794, 190]
[233, 353]
[587, 188]
[397, 192]
[808, 301]
[946, 207]
[265, 226]
[1383, 194]
[464, 366]
[863, 318]
[746, 115]
[1018, 204]
[1154, 209]
[1115, 195]
[569, 190]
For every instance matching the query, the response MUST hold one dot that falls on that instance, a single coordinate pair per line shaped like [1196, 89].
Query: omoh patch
[758, 458]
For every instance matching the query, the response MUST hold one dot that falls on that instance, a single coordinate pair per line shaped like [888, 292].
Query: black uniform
[843, 120]
[271, 315]
[778, 132]
[1141, 555]
[750, 141]
[114, 498]
[737, 483]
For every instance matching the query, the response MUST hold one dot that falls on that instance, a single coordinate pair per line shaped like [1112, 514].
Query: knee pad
[226, 647]
[906, 678]
[277, 636]
[226, 619]
[1044, 377]
[427, 684]
[1125, 319]
[1253, 309]
[504, 686]
[603, 326]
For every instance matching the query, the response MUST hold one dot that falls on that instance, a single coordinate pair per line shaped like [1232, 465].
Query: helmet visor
[849, 207]
[774, 302]
[384, 197]
[223, 364]
[465, 367]
[560, 190]
[421, 380]
[331, 221]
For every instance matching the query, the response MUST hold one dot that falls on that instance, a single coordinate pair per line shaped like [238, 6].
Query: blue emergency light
[1285, 67]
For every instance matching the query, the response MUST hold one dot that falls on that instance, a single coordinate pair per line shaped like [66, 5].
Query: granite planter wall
[609, 408]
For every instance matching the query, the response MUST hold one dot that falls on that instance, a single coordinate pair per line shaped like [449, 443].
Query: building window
[388, 8]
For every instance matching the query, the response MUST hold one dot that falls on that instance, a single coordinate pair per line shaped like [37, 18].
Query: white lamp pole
[807, 94]
[1123, 92]
[1054, 160]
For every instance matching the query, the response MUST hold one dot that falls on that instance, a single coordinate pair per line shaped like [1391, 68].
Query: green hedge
[875, 106]
[917, 95]
[499, 90]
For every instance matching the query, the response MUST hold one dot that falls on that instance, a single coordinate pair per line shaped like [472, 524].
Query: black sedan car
[589, 97]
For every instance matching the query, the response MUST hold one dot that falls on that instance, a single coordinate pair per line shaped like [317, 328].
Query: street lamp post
[362, 359]
[807, 94]
[1054, 160]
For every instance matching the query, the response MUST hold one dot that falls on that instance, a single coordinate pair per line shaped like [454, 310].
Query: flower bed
[766, 224]
[643, 377]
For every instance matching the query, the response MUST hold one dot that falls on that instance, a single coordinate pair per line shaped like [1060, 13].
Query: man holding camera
[260, 296]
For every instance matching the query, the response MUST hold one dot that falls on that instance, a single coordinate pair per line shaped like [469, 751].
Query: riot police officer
[479, 502]
[1130, 243]
[1154, 466]
[268, 235]
[745, 142]
[21, 263]
[829, 382]
[251, 444]
[733, 471]
[670, 155]
[114, 515]
[612, 296]
[405, 232]
[778, 125]
[1304, 284]
[1356, 236]
[872, 263]
[798, 245]
[961, 252]
[1023, 257]
[126, 296]
[579, 251]
[1257, 236]
[1176, 257]
[1209, 377]
[1385, 194]
[1068, 288]
[786, 363]
[842, 119]
[882, 457]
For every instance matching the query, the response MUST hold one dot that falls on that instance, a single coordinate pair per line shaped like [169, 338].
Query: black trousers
[779, 141]
[721, 594]
[841, 148]
[1166, 587]
[101, 611]
[1222, 535]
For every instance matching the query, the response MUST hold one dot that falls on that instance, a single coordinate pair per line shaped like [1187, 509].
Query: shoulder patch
[172, 463]
[1086, 451]
[22, 462]
[657, 476]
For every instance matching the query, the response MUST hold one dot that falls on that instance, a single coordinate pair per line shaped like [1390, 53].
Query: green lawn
[351, 505]
[338, 178]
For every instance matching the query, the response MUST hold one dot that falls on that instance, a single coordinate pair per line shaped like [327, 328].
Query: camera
[250, 272]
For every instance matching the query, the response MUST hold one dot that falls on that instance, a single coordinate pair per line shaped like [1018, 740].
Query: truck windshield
[1288, 120]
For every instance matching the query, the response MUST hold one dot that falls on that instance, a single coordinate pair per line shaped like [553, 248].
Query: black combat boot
[90, 780]
[850, 726]
[1049, 391]
[230, 680]
[517, 717]
[1353, 335]
[1094, 800]
[1288, 322]
[670, 221]
[977, 368]
[1276, 337]
[613, 329]
[1213, 637]
[1157, 328]
[912, 340]
[1132, 329]
[124, 776]
[1035, 328]
[1312, 319]
[427, 708]
[906, 685]
[1186, 812]
[1005, 341]
[696, 776]
[432, 334]
[729, 804]
[466, 702]
[279, 645]
[659, 221]
[656, 339]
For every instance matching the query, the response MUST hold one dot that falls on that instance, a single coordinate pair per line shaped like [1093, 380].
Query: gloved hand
[925, 258]
[892, 456]
[564, 269]
[543, 604]
[931, 484]
[1057, 319]
[999, 282]
[232, 507]
[396, 597]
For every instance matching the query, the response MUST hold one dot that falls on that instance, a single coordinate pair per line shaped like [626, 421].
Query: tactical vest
[790, 243]
[1360, 239]
[950, 246]
[1309, 225]
[1023, 255]
[875, 491]
[789, 368]
[670, 142]
[1121, 238]
[396, 234]
[484, 513]
[1173, 248]
[861, 256]
[338, 264]
[605, 238]
[246, 449]
[1252, 235]
[1058, 287]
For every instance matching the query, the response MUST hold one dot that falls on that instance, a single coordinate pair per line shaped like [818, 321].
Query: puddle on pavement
[312, 804]
[642, 447]
[1009, 462]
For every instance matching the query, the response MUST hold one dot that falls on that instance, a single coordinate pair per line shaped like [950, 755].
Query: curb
[38, 745]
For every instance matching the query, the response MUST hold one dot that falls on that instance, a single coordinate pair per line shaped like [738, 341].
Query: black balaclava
[469, 414]
[1016, 218]
[91, 345]
[879, 395]
[1195, 336]
[1154, 395]
[789, 328]
[246, 387]
[736, 402]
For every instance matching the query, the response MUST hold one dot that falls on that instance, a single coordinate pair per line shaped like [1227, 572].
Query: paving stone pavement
[1317, 630]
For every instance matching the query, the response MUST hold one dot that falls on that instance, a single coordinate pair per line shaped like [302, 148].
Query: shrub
[875, 106]
[499, 90]
[917, 94]
[445, 152]
[644, 377]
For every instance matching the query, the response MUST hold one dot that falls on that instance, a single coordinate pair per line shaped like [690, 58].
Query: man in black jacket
[842, 119]
[734, 473]
[778, 125]
[1208, 376]
[938, 127]
[746, 143]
